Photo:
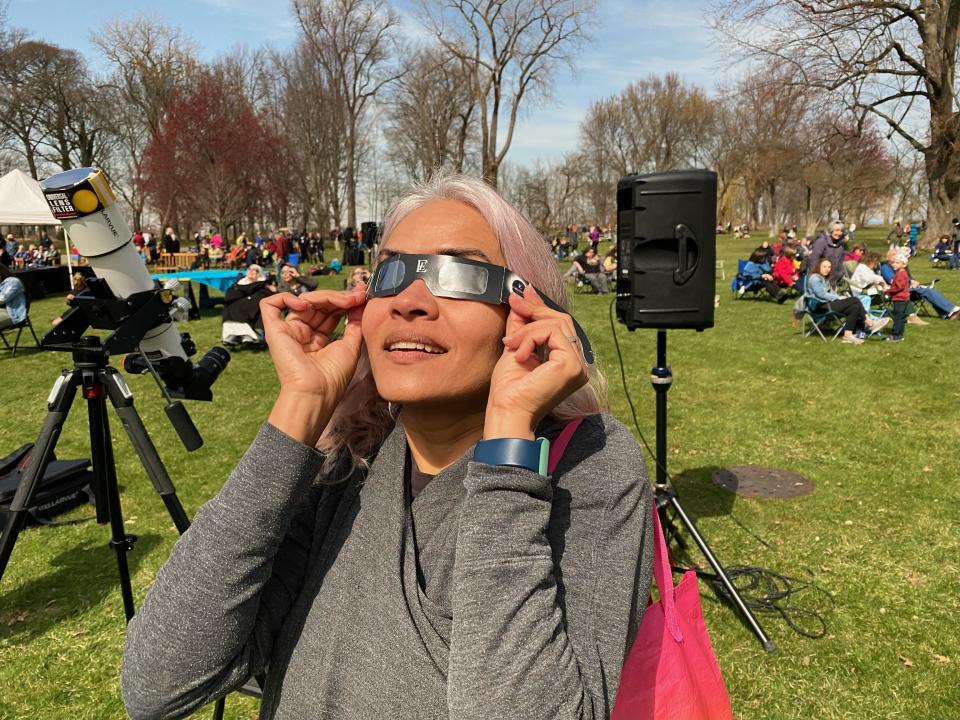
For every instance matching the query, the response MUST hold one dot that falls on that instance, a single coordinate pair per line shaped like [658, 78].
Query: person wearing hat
[899, 292]
[946, 309]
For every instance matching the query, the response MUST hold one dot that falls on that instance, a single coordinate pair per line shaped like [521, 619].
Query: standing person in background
[945, 308]
[899, 293]
[829, 245]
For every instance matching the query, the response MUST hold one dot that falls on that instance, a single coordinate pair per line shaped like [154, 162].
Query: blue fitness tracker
[514, 452]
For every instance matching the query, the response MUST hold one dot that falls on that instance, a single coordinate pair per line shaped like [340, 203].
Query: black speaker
[666, 249]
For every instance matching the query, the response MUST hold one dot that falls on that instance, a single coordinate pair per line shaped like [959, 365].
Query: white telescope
[82, 199]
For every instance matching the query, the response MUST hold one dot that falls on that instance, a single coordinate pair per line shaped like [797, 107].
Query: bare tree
[72, 124]
[150, 62]
[24, 66]
[312, 118]
[431, 114]
[892, 59]
[510, 48]
[355, 44]
[668, 122]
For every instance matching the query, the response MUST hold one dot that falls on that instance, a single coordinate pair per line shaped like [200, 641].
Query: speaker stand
[661, 378]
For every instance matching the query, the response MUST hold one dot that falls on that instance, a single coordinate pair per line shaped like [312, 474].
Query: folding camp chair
[19, 327]
[923, 307]
[823, 321]
[741, 285]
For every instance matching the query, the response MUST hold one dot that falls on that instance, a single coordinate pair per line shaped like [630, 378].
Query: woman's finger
[557, 335]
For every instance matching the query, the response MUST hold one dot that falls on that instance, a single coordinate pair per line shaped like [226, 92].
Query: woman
[610, 261]
[589, 268]
[292, 281]
[757, 272]
[241, 308]
[819, 290]
[390, 574]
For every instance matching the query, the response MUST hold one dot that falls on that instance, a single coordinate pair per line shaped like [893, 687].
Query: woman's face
[825, 267]
[425, 349]
[253, 274]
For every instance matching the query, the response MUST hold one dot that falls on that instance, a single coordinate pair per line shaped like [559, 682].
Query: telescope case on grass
[65, 485]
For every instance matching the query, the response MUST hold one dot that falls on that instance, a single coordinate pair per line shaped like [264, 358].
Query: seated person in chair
[591, 271]
[819, 291]
[944, 251]
[610, 261]
[241, 308]
[757, 273]
[292, 281]
[784, 272]
[13, 299]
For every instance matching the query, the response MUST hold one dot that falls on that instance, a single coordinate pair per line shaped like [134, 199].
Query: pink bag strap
[661, 559]
[560, 444]
[663, 577]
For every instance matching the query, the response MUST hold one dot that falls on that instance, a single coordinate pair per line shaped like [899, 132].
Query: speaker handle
[682, 273]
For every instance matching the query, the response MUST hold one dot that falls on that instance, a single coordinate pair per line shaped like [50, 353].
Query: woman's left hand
[522, 388]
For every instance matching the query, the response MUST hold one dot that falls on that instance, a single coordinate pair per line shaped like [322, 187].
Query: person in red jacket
[899, 292]
[785, 270]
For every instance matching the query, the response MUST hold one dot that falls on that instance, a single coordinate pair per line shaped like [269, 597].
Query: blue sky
[632, 39]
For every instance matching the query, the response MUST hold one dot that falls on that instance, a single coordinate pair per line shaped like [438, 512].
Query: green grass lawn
[875, 427]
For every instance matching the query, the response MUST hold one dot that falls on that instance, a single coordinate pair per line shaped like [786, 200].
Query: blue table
[220, 280]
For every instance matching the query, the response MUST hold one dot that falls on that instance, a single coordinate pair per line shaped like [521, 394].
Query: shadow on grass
[78, 579]
[700, 496]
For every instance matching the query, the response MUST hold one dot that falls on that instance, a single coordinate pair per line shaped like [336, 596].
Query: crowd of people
[834, 274]
[213, 250]
[21, 256]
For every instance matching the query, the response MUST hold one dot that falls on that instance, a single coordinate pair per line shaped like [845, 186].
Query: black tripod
[662, 378]
[98, 381]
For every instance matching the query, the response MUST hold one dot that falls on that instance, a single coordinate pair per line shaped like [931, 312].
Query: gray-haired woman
[416, 564]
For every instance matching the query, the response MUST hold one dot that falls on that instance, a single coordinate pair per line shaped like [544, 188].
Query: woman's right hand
[313, 371]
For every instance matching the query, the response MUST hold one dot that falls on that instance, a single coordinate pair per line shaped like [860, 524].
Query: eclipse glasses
[459, 278]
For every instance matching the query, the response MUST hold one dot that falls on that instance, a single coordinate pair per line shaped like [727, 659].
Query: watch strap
[514, 452]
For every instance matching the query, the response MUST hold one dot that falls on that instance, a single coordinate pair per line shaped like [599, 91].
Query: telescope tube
[82, 200]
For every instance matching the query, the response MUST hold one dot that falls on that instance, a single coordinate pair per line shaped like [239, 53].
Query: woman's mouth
[405, 347]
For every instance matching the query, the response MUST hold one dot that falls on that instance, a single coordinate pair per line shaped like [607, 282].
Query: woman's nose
[415, 300]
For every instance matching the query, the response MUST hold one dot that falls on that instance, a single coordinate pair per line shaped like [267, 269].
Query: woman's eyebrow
[451, 251]
[464, 252]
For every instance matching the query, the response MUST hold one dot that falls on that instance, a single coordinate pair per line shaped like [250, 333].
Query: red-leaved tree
[213, 159]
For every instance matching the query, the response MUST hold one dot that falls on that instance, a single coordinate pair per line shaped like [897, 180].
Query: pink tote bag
[671, 672]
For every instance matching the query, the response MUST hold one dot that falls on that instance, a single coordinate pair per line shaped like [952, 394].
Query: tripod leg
[767, 643]
[105, 472]
[122, 400]
[58, 405]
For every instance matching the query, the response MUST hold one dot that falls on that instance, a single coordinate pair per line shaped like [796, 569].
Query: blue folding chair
[741, 284]
[823, 321]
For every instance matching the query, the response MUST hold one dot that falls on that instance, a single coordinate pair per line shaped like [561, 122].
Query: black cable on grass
[767, 591]
[761, 589]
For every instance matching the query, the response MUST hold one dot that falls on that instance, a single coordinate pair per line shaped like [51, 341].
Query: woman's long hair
[363, 419]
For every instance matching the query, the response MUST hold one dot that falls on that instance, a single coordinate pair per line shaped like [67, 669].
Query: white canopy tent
[22, 203]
